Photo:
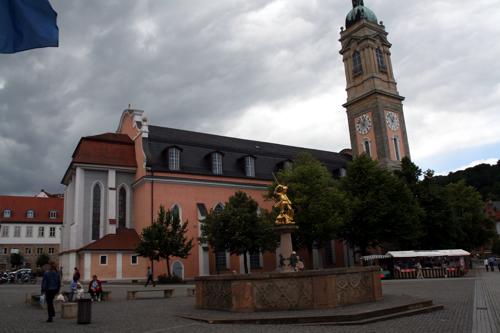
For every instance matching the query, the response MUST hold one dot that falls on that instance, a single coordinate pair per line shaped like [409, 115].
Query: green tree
[320, 207]
[165, 238]
[383, 209]
[467, 212]
[42, 260]
[239, 228]
[16, 259]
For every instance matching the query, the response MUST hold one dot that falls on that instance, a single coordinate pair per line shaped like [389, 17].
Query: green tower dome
[359, 12]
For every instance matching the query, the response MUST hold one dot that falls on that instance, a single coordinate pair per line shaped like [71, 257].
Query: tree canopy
[165, 238]
[320, 208]
[239, 228]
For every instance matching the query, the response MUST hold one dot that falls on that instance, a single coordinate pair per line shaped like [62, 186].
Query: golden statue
[284, 204]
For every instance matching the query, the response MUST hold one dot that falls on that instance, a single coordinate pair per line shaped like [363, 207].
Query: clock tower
[374, 106]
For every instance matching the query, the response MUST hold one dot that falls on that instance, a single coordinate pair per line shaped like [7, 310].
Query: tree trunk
[245, 262]
[168, 267]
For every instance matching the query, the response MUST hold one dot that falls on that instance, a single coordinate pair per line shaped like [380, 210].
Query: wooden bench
[191, 291]
[166, 293]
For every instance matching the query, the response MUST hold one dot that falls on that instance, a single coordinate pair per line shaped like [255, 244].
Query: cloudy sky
[267, 70]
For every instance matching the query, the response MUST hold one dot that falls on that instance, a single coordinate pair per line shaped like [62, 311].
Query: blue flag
[27, 24]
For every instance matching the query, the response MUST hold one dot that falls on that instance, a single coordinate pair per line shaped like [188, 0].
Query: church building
[116, 182]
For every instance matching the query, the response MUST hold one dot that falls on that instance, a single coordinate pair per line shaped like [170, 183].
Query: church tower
[374, 106]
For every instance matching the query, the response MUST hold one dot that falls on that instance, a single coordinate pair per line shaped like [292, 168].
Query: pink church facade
[116, 183]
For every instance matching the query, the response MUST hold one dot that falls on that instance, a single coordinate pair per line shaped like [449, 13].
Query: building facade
[374, 107]
[116, 182]
[30, 226]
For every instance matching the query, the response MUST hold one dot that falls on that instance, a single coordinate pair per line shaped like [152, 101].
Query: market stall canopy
[375, 257]
[430, 253]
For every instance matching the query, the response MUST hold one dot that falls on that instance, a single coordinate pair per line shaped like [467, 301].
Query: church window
[367, 148]
[397, 152]
[217, 163]
[176, 212]
[122, 208]
[174, 158]
[357, 67]
[96, 212]
[255, 262]
[380, 60]
[250, 166]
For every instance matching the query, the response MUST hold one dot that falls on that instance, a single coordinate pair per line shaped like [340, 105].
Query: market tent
[375, 257]
[429, 253]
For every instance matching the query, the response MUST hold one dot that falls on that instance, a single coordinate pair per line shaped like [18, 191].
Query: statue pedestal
[286, 248]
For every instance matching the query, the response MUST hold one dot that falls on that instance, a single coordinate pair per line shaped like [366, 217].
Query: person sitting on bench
[95, 289]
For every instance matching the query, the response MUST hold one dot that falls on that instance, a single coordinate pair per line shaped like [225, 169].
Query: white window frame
[7, 213]
[217, 168]
[30, 213]
[27, 250]
[100, 261]
[52, 232]
[136, 259]
[53, 214]
[17, 231]
[39, 250]
[29, 231]
[41, 232]
[5, 231]
[249, 166]
[51, 250]
[174, 159]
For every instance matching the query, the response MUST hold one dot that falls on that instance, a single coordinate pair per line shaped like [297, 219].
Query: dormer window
[53, 214]
[217, 163]
[174, 158]
[380, 60]
[249, 166]
[357, 67]
[30, 213]
[7, 213]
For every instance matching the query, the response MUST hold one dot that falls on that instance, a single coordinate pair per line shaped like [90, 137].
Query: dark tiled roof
[123, 240]
[197, 147]
[42, 206]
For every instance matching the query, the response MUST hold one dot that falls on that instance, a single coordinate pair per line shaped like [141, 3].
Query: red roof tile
[123, 240]
[106, 149]
[19, 207]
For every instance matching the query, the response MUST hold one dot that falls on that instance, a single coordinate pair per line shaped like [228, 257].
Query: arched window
[357, 67]
[217, 163]
[218, 208]
[174, 158]
[176, 212]
[397, 152]
[96, 212]
[249, 166]
[366, 146]
[380, 60]
[122, 208]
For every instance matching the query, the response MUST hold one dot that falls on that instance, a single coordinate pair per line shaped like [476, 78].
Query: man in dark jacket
[51, 283]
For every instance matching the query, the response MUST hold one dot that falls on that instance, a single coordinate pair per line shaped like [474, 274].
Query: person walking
[51, 283]
[76, 275]
[418, 267]
[492, 264]
[486, 264]
[150, 277]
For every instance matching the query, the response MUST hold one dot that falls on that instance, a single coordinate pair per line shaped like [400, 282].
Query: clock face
[363, 124]
[392, 120]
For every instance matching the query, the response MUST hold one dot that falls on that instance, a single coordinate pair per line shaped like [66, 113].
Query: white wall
[34, 239]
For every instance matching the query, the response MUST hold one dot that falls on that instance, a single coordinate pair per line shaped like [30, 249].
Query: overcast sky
[266, 70]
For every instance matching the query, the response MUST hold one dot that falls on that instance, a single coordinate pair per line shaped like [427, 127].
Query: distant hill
[484, 177]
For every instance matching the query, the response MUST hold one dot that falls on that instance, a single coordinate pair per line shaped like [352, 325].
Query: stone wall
[320, 289]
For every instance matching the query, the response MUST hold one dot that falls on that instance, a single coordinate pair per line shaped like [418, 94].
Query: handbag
[42, 299]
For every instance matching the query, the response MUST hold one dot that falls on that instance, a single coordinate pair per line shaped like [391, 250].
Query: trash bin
[84, 311]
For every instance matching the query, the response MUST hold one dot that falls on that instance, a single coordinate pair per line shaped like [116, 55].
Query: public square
[471, 304]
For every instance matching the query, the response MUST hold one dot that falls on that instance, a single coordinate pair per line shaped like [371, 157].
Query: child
[72, 291]
[79, 291]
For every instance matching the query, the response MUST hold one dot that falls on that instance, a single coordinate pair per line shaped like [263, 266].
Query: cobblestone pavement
[158, 315]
